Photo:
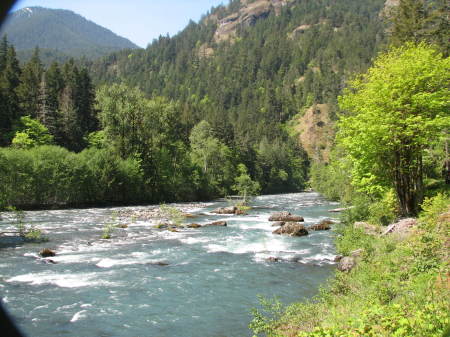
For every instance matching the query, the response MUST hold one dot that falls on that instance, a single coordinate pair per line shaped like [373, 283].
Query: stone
[123, 226]
[401, 227]
[292, 229]
[273, 259]
[357, 252]
[324, 225]
[367, 228]
[194, 225]
[225, 210]
[338, 258]
[46, 252]
[240, 212]
[217, 223]
[278, 224]
[286, 217]
[346, 264]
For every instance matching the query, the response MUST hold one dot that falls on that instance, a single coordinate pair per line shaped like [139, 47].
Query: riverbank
[398, 286]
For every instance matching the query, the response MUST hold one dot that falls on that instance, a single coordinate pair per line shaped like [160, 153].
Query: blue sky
[138, 20]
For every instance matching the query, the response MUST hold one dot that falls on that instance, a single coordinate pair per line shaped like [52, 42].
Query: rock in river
[225, 210]
[217, 223]
[292, 229]
[46, 252]
[286, 217]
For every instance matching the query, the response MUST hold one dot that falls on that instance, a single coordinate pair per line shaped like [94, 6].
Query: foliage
[244, 185]
[28, 232]
[51, 175]
[398, 288]
[398, 109]
[31, 133]
[108, 231]
[175, 215]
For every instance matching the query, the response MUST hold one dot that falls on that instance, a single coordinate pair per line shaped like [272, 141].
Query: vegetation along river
[123, 287]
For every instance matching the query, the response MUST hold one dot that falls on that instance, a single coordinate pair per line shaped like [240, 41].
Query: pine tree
[28, 90]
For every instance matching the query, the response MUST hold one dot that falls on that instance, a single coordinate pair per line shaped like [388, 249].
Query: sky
[140, 21]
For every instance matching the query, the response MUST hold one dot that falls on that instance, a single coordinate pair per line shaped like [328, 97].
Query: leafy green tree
[31, 133]
[244, 185]
[397, 110]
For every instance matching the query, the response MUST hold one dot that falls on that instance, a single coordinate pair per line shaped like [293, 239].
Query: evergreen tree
[29, 88]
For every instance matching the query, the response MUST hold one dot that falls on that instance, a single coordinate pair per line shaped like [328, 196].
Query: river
[122, 287]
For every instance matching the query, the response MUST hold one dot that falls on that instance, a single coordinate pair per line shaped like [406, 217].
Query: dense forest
[188, 116]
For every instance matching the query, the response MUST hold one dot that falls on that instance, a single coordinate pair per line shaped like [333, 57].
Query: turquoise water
[116, 287]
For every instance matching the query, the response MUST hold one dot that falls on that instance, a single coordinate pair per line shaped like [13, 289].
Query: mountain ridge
[63, 31]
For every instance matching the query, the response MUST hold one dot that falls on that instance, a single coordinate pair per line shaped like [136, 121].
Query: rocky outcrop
[299, 31]
[46, 252]
[247, 15]
[292, 229]
[285, 217]
[316, 132]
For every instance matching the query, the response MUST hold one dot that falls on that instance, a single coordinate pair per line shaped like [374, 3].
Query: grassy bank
[398, 288]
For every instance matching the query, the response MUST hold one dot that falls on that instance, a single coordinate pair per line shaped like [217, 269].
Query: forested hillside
[194, 113]
[60, 33]
[250, 85]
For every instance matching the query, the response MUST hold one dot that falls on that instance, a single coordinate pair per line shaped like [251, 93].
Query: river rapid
[123, 287]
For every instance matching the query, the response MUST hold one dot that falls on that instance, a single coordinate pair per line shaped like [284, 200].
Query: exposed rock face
[247, 15]
[217, 223]
[389, 5]
[285, 217]
[346, 264]
[46, 252]
[316, 132]
[299, 31]
[225, 210]
[292, 229]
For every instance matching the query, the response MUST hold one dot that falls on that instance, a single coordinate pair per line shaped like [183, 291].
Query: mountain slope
[61, 30]
[248, 82]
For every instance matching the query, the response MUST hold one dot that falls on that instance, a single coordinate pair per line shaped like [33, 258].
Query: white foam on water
[191, 240]
[78, 315]
[108, 262]
[86, 305]
[62, 280]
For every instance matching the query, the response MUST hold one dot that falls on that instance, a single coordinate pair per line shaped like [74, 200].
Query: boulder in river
[225, 210]
[240, 212]
[217, 223]
[273, 259]
[286, 217]
[292, 229]
[194, 225]
[47, 252]
[278, 224]
[324, 225]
